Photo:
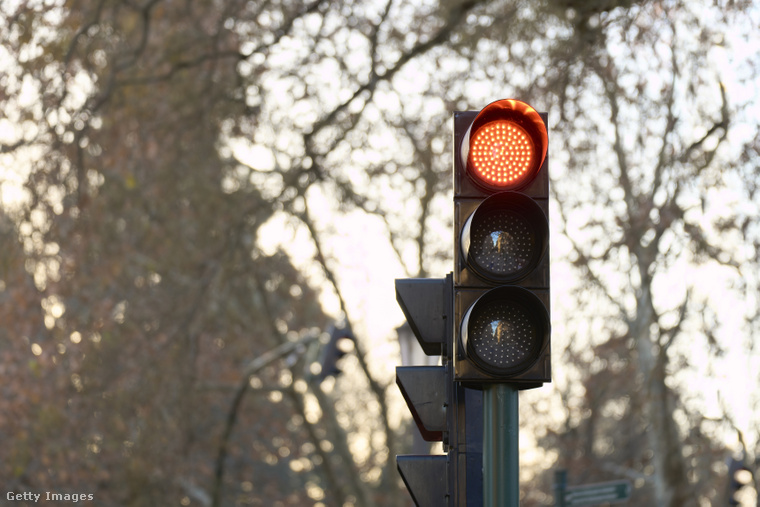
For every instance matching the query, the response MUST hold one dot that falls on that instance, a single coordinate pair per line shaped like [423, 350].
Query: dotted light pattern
[501, 153]
[503, 336]
[503, 243]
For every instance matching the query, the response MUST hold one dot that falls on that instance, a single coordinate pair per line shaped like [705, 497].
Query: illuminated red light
[505, 145]
[502, 153]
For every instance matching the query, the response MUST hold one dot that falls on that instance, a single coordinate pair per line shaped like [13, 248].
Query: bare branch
[721, 125]
[584, 260]
[454, 18]
[670, 122]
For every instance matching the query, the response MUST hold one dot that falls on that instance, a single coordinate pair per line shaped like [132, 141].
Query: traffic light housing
[340, 343]
[739, 476]
[443, 410]
[501, 255]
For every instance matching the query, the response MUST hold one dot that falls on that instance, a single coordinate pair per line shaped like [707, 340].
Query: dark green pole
[560, 486]
[501, 455]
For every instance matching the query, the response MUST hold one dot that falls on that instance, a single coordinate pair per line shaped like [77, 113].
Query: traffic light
[340, 343]
[501, 254]
[738, 477]
[426, 304]
[489, 319]
[442, 409]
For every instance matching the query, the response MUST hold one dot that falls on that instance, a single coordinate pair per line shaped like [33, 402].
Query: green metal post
[501, 455]
[560, 488]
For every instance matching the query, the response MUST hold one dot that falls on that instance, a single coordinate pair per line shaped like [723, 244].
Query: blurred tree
[149, 292]
[647, 120]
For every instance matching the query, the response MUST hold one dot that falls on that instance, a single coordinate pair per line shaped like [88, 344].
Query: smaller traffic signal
[340, 343]
[427, 390]
[442, 409]
[739, 476]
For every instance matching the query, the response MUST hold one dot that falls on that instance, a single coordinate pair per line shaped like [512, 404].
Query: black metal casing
[443, 410]
[469, 286]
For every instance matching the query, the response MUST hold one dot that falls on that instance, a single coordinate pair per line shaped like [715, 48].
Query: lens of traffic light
[502, 153]
[505, 331]
[505, 146]
[505, 237]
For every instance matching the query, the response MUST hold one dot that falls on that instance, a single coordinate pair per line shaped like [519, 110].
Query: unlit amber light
[501, 153]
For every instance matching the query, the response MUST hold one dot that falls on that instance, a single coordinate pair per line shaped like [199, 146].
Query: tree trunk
[670, 478]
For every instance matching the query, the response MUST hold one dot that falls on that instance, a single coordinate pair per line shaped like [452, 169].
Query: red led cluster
[502, 153]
